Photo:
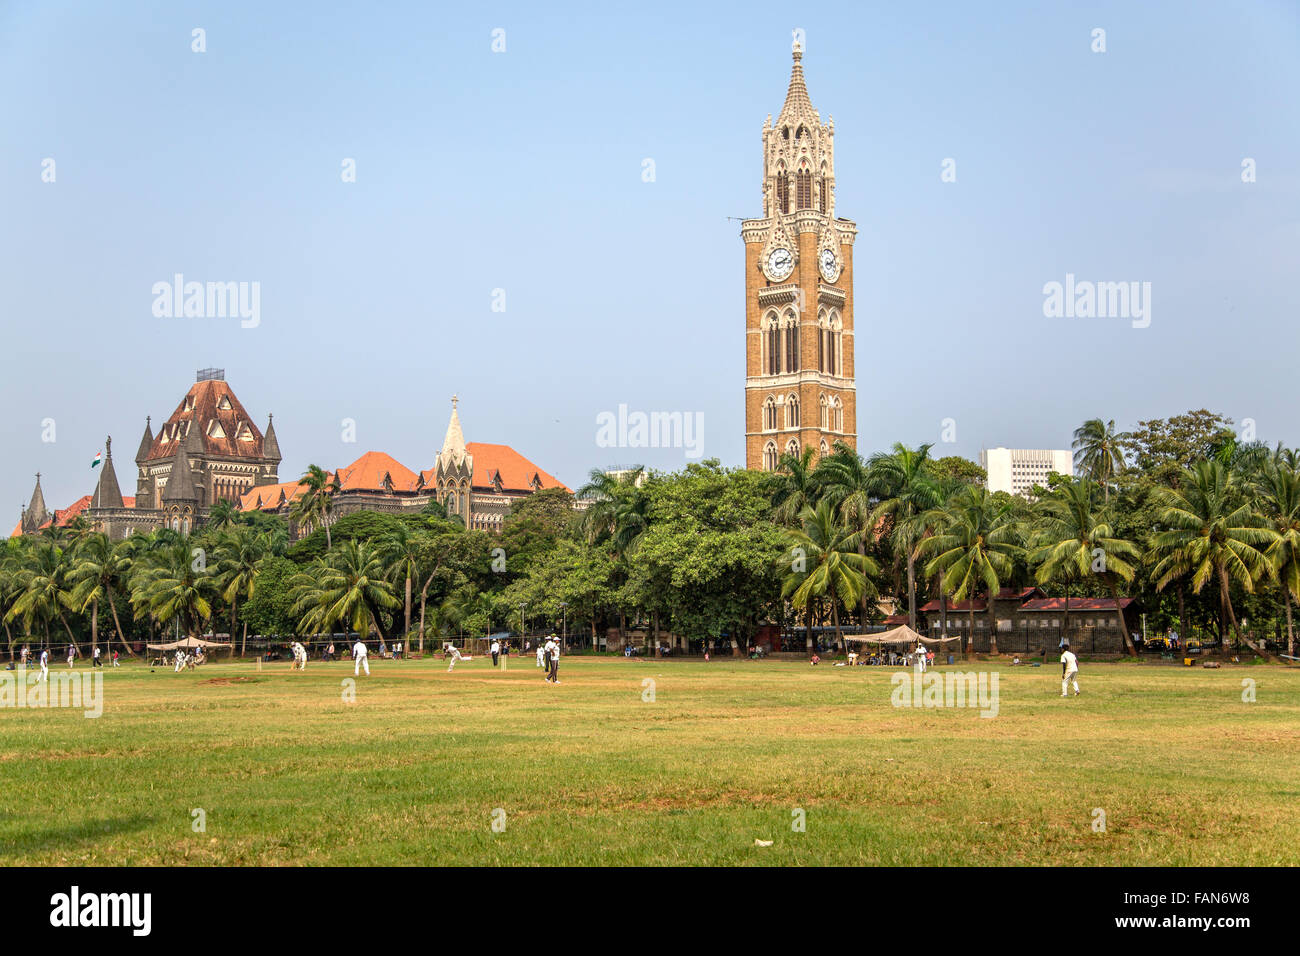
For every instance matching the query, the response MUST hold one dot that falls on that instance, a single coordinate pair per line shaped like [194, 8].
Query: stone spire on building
[453, 446]
[180, 482]
[146, 442]
[36, 514]
[107, 492]
[798, 105]
[271, 444]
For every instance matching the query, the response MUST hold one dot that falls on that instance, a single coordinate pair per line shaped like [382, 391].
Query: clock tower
[799, 376]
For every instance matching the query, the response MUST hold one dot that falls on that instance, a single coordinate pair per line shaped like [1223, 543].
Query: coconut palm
[1099, 452]
[43, 589]
[826, 564]
[1279, 501]
[222, 515]
[240, 553]
[315, 506]
[348, 587]
[172, 581]
[402, 550]
[797, 488]
[974, 547]
[1214, 534]
[846, 481]
[1075, 543]
[908, 493]
[100, 568]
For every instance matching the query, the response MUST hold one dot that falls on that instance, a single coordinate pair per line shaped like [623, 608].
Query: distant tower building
[454, 471]
[1017, 470]
[800, 390]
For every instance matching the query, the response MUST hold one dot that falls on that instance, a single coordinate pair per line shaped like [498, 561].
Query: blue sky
[521, 171]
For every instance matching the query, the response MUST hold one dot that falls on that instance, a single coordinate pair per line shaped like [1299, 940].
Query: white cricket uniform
[362, 659]
[45, 666]
[920, 658]
[1071, 672]
[553, 656]
[455, 657]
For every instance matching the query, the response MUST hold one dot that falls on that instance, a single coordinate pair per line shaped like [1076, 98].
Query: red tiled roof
[267, 497]
[368, 472]
[63, 516]
[1076, 604]
[515, 470]
[980, 605]
[206, 399]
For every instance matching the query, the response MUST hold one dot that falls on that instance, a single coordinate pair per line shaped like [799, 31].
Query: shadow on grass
[26, 842]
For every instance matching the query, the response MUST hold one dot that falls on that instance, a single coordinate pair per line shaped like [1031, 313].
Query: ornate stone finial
[108, 447]
[148, 419]
[797, 45]
[455, 400]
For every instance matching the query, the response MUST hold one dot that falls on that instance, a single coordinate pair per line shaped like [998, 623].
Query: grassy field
[587, 772]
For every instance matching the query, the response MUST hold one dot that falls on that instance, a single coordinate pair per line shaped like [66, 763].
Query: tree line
[1199, 526]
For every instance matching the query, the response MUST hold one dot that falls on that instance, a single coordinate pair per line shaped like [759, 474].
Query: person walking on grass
[496, 651]
[919, 657]
[1069, 670]
[362, 658]
[94, 660]
[72, 653]
[45, 666]
[553, 659]
[541, 655]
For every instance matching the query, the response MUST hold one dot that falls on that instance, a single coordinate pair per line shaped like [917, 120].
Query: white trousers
[361, 662]
[1072, 677]
[45, 674]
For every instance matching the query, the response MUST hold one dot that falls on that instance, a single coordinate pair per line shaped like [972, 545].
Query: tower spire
[107, 492]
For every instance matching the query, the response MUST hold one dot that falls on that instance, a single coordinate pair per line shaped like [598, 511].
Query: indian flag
[99, 460]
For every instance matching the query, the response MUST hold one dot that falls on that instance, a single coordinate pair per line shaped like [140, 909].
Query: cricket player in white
[1069, 671]
[361, 657]
[454, 653]
[920, 658]
[552, 648]
[45, 667]
[541, 655]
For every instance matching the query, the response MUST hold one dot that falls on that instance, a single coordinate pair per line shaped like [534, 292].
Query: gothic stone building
[799, 385]
[477, 481]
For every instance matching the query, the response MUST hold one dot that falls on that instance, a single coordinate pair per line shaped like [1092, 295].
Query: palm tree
[798, 487]
[1076, 541]
[907, 493]
[828, 565]
[99, 567]
[619, 514]
[1279, 497]
[974, 544]
[1099, 452]
[316, 504]
[239, 554]
[222, 515]
[1213, 534]
[402, 551]
[847, 483]
[170, 582]
[348, 587]
[44, 592]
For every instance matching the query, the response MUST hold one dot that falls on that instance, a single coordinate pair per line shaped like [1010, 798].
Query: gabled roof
[515, 471]
[369, 472]
[180, 480]
[981, 604]
[218, 422]
[270, 497]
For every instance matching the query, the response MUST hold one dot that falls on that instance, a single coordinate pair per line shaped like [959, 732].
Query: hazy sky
[522, 171]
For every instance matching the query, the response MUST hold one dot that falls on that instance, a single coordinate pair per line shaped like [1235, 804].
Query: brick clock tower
[799, 375]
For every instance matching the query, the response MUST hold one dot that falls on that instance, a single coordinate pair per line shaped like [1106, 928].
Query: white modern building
[1017, 470]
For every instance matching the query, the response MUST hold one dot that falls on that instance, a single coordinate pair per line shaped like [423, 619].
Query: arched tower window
[783, 190]
[769, 456]
[824, 406]
[791, 322]
[769, 413]
[836, 364]
[771, 344]
[792, 411]
[821, 341]
[792, 447]
[803, 185]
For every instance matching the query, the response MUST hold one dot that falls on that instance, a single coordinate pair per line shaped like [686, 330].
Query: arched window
[791, 323]
[837, 414]
[821, 341]
[823, 194]
[792, 447]
[769, 456]
[771, 344]
[803, 183]
[783, 191]
[824, 449]
[792, 411]
[824, 405]
[769, 413]
[836, 364]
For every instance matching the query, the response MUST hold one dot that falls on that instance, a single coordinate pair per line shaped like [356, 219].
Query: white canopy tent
[898, 635]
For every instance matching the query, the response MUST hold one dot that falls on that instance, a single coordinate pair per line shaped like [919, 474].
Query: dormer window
[224, 404]
[215, 430]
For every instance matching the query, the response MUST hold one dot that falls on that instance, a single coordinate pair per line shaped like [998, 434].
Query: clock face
[780, 263]
[827, 263]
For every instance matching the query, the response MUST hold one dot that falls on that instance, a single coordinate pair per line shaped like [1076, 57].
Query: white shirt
[553, 648]
[97, 652]
[1070, 661]
[45, 658]
[358, 649]
[496, 648]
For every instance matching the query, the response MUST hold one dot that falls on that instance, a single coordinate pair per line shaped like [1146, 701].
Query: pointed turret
[146, 443]
[453, 446]
[35, 515]
[180, 483]
[798, 105]
[270, 444]
[107, 492]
